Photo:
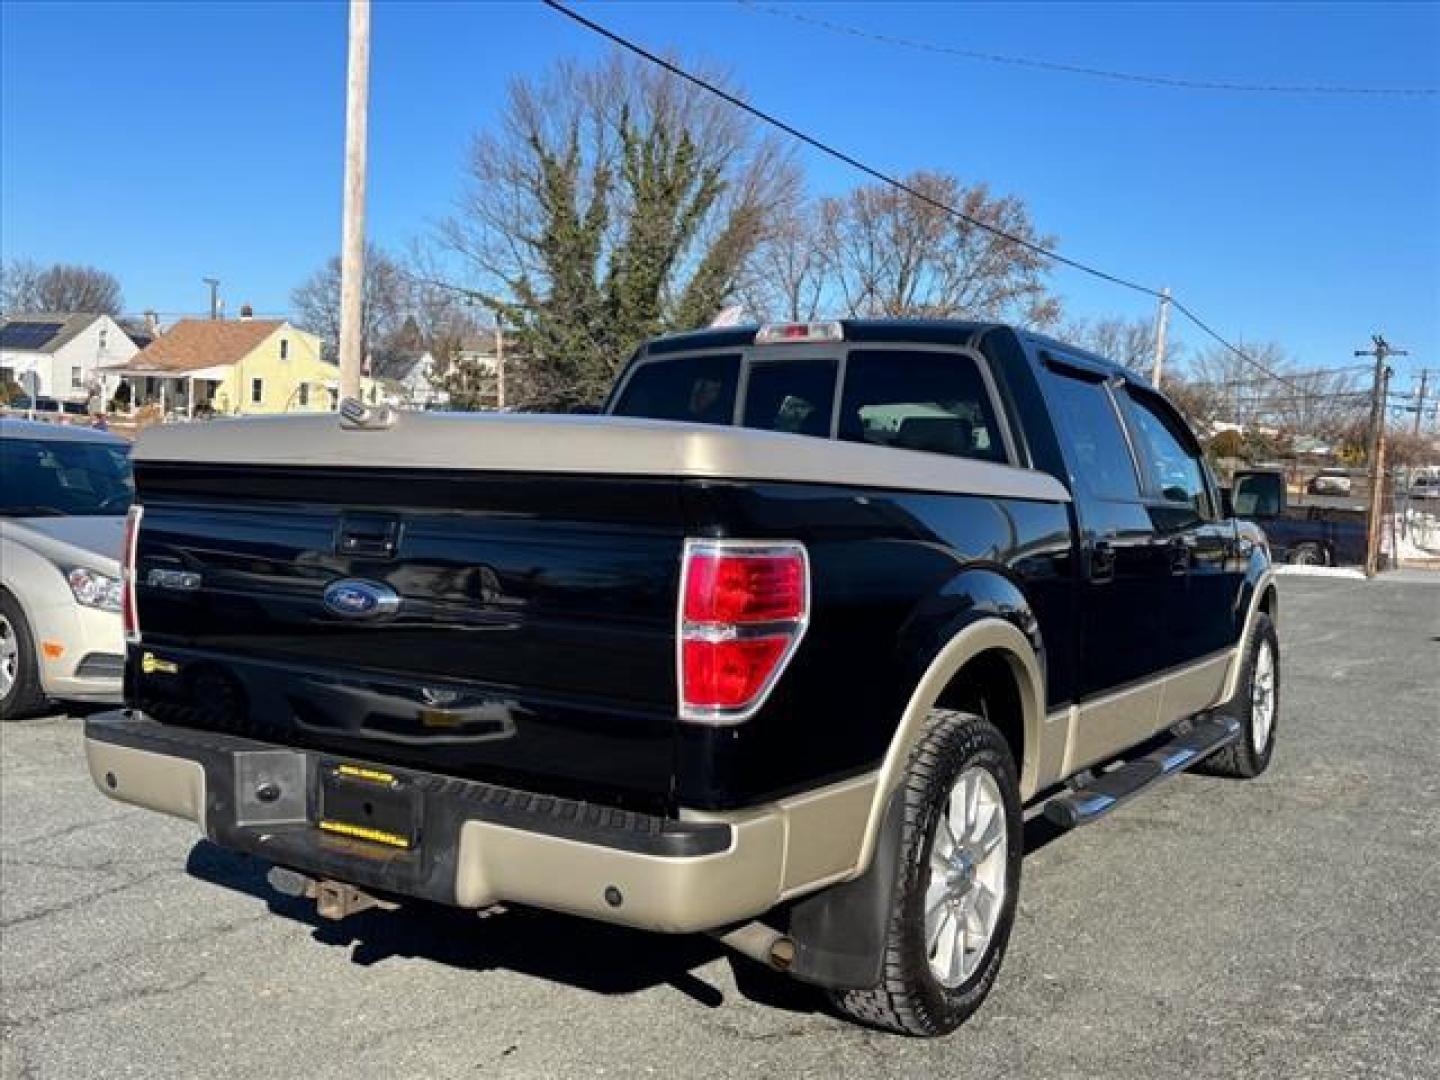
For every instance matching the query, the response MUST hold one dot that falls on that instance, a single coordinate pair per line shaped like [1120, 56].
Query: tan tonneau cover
[595, 445]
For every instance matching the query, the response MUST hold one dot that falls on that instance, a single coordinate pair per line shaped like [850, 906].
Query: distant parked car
[1425, 486]
[62, 515]
[1330, 482]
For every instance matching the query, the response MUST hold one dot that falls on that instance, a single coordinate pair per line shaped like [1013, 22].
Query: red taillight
[129, 614]
[744, 588]
[743, 609]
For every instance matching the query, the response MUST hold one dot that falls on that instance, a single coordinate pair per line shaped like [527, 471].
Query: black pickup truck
[1318, 534]
[781, 649]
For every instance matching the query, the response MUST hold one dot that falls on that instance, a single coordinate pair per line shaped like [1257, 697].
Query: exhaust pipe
[760, 943]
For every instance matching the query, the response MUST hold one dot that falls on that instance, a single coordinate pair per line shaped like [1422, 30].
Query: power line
[1293, 376]
[1174, 82]
[900, 185]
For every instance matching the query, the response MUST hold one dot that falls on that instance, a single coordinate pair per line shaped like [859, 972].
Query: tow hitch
[333, 899]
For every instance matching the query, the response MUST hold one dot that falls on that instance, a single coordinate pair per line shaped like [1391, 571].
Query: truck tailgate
[532, 644]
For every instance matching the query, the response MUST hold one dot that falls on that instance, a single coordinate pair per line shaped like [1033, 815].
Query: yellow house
[229, 367]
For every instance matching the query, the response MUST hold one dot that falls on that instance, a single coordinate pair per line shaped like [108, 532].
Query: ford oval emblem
[354, 599]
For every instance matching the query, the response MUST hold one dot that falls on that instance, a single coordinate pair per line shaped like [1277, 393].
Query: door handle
[1102, 561]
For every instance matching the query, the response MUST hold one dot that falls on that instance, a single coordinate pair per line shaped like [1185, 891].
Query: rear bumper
[481, 844]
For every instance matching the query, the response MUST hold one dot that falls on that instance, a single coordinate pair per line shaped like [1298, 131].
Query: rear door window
[692, 389]
[1098, 449]
[932, 401]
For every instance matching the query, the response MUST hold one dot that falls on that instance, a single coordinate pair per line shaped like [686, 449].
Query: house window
[75, 380]
[284, 349]
[304, 393]
[257, 391]
[103, 333]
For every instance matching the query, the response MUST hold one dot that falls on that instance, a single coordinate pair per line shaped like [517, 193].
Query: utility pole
[214, 284]
[1162, 321]
[499, 364]
[1382, 351]
[352, 240]
[1420, 402]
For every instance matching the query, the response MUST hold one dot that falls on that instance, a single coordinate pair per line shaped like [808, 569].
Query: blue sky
[168, 142]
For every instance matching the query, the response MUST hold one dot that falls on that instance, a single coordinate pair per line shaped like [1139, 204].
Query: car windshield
[62, 478]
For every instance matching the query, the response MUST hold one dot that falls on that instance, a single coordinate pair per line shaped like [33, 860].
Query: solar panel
[27, 335]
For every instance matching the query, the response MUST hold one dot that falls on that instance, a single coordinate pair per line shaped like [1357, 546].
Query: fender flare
[1258, 585]
[990, 632]
[840, 932]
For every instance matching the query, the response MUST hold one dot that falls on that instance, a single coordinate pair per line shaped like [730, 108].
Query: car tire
[1308, 554]
[1256, 706]
[23, 696]
[924, 988]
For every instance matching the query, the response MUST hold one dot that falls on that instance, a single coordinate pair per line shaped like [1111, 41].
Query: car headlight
[94, 589]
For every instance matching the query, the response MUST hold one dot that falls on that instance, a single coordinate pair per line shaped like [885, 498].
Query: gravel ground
[1283, 927]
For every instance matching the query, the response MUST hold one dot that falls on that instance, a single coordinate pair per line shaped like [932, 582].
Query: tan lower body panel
[1196, 688]
[781, 850]
[170, 785]
[1102, 728]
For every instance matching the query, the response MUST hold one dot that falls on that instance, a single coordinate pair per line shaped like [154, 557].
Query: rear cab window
[934, 400]
[693, 390]
[918, 400]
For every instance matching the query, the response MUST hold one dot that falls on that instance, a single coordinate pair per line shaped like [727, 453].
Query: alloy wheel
[966, 887]
[9, 657]
[1262, 697]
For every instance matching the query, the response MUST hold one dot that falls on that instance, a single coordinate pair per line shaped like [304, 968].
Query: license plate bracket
[370, 804]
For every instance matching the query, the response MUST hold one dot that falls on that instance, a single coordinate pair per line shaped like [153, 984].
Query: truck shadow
[592, 956]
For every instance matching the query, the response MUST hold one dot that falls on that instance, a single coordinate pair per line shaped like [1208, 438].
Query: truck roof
[919, 331]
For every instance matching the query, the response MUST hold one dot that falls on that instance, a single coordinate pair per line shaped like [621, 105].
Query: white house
[58, 355]
[409, 383]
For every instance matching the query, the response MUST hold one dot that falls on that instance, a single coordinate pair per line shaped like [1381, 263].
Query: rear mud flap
[840, 933]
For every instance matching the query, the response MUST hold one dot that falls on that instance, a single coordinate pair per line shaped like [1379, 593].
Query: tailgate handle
[370, 536]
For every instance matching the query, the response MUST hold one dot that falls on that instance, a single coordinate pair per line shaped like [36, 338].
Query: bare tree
[1130, 342]
[1326, 403]
[315, 305]
[62, 287]
[613, 202]
[888, 253]
[787, 276]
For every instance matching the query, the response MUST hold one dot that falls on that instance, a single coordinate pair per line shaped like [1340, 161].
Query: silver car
[63, 496]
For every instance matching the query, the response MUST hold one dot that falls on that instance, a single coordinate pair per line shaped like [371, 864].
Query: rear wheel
[1256, 705]
[957, 883]
[20, 693]
[1308, 554]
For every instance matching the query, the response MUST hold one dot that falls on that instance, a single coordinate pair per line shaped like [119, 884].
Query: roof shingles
[203, 343]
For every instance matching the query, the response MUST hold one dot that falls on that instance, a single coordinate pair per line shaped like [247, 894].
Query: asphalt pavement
[1289, 926]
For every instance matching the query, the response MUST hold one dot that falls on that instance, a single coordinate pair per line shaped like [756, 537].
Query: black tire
[24, 697]
[1242, 759]
[909, 999]
[1309, 554]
